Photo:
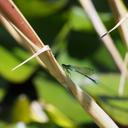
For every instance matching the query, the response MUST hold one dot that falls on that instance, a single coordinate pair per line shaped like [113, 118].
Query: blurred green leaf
[52, 93]
[103, 60]
[21, 110]
[106, 95]
[58, 117]
[36, 8]
[8, 61]
[80, 21]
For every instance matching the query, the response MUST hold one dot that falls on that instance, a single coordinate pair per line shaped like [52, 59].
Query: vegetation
[31, 96]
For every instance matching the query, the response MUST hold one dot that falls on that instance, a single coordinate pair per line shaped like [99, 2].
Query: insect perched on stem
[81, 70]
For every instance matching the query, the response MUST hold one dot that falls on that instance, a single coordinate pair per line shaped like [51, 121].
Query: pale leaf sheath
[45, 48]
[117, 25]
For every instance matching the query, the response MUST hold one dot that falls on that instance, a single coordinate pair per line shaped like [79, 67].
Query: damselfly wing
[81, 70]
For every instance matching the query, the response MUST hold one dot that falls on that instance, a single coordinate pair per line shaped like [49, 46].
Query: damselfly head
[63, 65]
[66, 66]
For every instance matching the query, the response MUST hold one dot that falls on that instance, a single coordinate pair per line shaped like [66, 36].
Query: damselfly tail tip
[93, 80]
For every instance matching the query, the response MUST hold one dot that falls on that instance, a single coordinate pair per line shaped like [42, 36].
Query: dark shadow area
[79, 45]
[48, 27]
[89, 125]
[13, 91]
[6, 39]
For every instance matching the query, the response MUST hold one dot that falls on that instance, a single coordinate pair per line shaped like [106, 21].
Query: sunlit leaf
[58, 117]
[80, 21]
[21, 110]
[107, 96]
[8, 61]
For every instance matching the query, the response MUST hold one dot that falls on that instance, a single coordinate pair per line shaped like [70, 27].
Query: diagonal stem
[99, 27]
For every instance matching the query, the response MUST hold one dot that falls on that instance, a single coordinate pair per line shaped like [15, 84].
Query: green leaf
[104, 60]
[53, 93]
[106, 95]
[36, 8]
[8, 61]
[58, 117]
[80, 21]
[21, 110]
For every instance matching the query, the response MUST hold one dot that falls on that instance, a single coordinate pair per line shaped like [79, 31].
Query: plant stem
[99, 27]
[123, 77]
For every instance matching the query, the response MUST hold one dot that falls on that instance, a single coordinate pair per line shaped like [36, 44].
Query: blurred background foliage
[30, 97]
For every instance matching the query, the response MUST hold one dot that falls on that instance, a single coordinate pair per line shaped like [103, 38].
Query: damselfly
[82, 70]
